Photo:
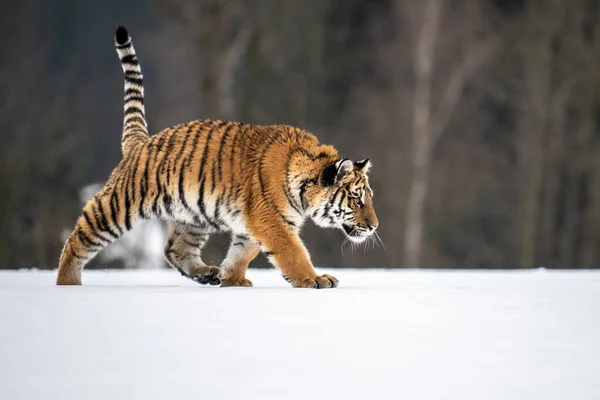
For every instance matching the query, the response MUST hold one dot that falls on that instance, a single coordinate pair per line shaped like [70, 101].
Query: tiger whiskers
[346, 240]
[378, 239]
[371, 242]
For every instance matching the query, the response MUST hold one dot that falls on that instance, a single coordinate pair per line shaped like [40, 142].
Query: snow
[151, 334]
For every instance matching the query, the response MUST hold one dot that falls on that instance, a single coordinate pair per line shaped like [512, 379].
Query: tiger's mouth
[348, 229]
[355, 234]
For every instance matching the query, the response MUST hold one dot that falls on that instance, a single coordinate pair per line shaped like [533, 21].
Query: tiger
[257, 182]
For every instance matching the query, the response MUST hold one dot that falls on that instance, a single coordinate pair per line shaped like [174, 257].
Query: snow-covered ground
[381, 335]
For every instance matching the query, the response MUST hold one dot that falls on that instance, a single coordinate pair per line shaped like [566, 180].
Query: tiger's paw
[236, 282]
[319, 282]
[206, 275]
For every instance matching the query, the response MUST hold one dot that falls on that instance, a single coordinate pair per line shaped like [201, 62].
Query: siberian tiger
[258, 182]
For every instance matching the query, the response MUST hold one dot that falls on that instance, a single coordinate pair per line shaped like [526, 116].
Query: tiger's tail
[135, 127]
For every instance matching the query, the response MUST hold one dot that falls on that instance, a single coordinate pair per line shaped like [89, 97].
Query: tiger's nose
[372, 226]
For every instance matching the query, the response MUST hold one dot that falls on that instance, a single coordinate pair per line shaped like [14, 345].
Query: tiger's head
[343, 199]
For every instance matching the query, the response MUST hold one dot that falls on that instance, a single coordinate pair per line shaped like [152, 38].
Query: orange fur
[258, 182]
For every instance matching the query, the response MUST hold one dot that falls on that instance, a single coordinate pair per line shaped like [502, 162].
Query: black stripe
[264, 196]
[167, 169]
[303, 190]
[132, 90]
[288, 195]
[104, 221]
[159, 187]
[132, 109]
[213, 178]
[188, 161]
[96, 228]
[129, 59]
[188, 242]
[99, 216]
[119, 189]
[214, 165]
[180, 182]
[88, 220]
[185, 164]
[144, 182]
[335, 202]
[231, 160]
[342, 197]
[135, 73]
[139, 99]
[171, 163]
[217, 215]
[171, 143]
[135, 81]
[201, 206]
[182, 163]
[86, 241]
[270, 143]
[182, 191]
[198, 235]
[90, 241]
[125, 188]
[74, 253]
[114, 204]
[183, 145]
[132, 70]
[227, 205]
[133, 134]
[127, 207]
[221, 145]
[243, 137]
[158, 194]
[133, 180]
[286, 186]
[168, 203]
[330, 203]
[154, 149]
[262, 184]
[131, 129]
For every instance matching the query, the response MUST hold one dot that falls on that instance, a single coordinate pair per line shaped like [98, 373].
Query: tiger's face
[345, 200]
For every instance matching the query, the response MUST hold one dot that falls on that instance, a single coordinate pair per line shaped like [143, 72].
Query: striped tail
[135, 127]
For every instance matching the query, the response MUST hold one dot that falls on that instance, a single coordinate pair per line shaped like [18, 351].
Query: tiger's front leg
[285, 250]
[242, 250]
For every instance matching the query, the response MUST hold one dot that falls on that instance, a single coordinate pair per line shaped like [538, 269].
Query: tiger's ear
[336, 172]
[363, 166]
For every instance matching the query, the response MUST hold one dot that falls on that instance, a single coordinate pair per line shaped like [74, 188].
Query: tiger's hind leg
[102, 221]
[242, 250]
[183, 251]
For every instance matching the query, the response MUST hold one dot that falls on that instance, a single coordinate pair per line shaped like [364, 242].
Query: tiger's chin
[353, 234]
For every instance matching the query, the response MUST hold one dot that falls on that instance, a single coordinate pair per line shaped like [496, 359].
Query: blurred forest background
[482, 118]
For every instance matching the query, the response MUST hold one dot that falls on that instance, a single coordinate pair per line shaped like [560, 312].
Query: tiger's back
[205, 172]
[258, 182]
